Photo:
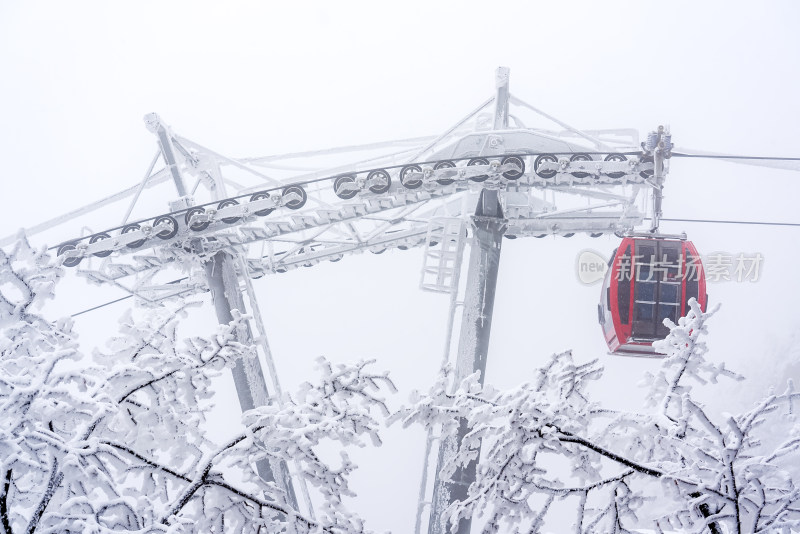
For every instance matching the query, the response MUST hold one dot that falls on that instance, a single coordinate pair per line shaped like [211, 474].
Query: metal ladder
[443, 250]
[441, 273]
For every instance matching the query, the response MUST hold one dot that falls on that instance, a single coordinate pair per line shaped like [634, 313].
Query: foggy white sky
[251, 78]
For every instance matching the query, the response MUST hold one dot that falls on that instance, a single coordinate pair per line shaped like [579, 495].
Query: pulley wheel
[132, 228]
[227, 204]
[197, 226]
[383, 179]
[444, 165]
[539, 160]
[295, 204]
[478, 161]
[344, 194]
[616, 157]
[69, 262]
[169, 232]
[580, 157]
[514, 160]
[261, 195]
[410, 183]
[100, 237]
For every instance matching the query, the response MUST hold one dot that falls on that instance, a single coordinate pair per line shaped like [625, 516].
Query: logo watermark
[724, 267]
[591, 267]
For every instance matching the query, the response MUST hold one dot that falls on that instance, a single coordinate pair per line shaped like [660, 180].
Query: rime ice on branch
[675, 469]
[117, 442]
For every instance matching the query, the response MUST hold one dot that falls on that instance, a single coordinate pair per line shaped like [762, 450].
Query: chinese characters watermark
[591, 267]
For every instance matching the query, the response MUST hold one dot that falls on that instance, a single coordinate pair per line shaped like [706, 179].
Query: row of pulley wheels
[297, 200]
[550, 173]
[380, 181]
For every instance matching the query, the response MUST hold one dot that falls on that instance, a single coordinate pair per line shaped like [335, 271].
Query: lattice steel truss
[366, 198]
[247, 217]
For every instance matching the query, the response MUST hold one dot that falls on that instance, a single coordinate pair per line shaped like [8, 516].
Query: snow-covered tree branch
[677, 468]
[117, 442]
[342, 408]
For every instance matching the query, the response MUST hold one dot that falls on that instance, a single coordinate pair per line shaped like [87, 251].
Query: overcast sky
[258, 78]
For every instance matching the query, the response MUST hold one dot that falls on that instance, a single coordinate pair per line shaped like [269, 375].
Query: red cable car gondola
[650, 278]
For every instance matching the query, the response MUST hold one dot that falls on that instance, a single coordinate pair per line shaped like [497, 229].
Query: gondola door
[657, 287]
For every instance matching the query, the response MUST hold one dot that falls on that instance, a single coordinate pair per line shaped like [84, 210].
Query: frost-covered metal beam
[223, 282]
[154, 124]
[488, 226]
[251, 387]
[501, 98]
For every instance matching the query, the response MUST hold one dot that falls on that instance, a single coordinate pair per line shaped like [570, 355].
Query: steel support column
[488, 226]
[223, 281]
[247, 373]
[154, 124]
[658, 175]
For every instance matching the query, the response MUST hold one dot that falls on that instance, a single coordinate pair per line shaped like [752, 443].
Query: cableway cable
[716, 221]
[725, 156]
[709, 221]
[101, 306]
[119, 300]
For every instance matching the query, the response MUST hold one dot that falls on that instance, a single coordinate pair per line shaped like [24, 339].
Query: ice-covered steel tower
[218, 222]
